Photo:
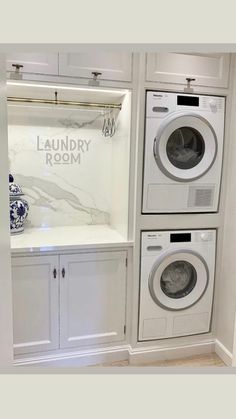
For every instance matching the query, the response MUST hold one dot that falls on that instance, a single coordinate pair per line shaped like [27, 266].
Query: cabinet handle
[54, 273]
[17, 67]
[63, 272]
[96, 74]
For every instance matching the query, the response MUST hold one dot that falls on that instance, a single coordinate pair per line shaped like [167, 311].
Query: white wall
[227, 287]
[6, 346]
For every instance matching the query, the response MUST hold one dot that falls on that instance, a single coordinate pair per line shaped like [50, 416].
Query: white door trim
[6, 328]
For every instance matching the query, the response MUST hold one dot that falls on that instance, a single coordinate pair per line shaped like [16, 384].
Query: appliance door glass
[185, 147]
[178, 280]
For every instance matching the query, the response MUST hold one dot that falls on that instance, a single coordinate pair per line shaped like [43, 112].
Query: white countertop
[67, 238]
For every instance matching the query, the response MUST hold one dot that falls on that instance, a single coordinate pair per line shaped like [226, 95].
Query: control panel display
[188, 100]
[180, 237]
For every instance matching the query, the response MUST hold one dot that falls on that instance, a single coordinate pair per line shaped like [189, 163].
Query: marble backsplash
[64, 166]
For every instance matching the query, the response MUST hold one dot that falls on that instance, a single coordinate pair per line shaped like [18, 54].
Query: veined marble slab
[67, 238]
[63, 166]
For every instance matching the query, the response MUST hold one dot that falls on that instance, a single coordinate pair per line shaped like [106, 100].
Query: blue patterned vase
[19, 207]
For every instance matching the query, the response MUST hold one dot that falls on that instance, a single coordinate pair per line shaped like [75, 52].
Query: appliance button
[204, 237]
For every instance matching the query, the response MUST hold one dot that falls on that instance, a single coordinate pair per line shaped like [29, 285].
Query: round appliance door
[178, 280]
[185, 147]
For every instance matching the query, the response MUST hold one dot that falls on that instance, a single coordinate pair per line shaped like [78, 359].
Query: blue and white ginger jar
[19, 207]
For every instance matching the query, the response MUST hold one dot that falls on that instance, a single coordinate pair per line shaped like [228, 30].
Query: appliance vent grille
[201, 196]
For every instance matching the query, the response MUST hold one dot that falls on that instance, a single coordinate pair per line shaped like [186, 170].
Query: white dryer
[176, 283]
[183, 152]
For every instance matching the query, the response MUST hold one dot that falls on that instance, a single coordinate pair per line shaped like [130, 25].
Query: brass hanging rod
[65, 102]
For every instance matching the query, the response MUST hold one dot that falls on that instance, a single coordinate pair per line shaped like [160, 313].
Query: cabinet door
[93, 298]
[207, 69]
[113, 66]
[34, 63]
[35, 304]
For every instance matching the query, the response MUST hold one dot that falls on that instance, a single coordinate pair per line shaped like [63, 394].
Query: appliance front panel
[180, 197]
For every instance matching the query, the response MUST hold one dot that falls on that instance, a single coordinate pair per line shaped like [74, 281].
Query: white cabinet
[35, 304]
[92, 298]
[115, 66]
[207, 69]
[68, 301]
[34, 63]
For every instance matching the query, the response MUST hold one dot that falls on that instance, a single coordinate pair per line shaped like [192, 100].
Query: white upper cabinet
[33, 63]
[92, 298]
[112, 66]
[208, 69]
[35, 304]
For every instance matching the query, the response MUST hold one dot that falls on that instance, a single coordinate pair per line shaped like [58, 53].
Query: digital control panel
[160, 104]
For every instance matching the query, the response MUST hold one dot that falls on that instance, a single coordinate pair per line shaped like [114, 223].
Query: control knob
[213, 104]
[204, 237]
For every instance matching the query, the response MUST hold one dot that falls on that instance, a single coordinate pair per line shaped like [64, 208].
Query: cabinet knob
[54, 273]
[63, 272]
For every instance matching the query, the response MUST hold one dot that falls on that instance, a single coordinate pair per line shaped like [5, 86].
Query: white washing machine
[176, 284]
[183, 152]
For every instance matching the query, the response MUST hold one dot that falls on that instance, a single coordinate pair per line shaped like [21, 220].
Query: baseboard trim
[77, 359]
[223, 353]
[136, 356]
[149, 355]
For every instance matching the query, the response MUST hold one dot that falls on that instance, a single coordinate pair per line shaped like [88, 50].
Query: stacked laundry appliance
[184, 137]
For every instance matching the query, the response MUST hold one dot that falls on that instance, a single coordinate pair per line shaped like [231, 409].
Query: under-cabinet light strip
[51, 86]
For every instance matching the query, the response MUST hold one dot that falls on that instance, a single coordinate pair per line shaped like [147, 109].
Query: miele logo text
[158, 95]
[63, 150]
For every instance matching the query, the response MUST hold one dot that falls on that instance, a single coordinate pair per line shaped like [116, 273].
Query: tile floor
[207, 360]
